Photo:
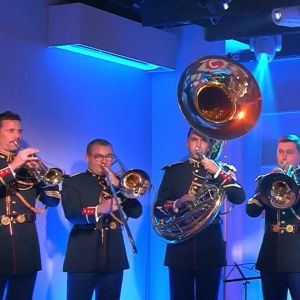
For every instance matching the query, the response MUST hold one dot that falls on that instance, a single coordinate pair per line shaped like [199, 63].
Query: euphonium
[221, 100]
[47, 176]
[279, 190]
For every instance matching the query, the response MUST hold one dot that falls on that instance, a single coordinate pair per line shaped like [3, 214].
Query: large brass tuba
[220, 99]
[279, 190]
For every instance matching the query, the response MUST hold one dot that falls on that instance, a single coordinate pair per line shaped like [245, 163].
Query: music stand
[242, 276]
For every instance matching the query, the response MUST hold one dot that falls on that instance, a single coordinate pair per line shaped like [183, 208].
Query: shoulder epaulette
[75, 174]
[230, 167]
[173, 164]
[261, 176]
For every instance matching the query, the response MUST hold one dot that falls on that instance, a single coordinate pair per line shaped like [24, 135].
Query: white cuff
[175, 209]
[14, 174]
[96, 215]
[217, 174]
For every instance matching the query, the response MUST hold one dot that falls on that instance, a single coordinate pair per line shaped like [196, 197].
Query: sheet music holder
[241, 272]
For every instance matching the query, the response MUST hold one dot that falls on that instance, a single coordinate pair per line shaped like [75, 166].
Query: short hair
[207, 139]
[291, 138]
[100, 142]
[9, 115]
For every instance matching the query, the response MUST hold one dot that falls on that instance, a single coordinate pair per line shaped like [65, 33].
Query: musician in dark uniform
[199, 259]
[96, 255]
[19, 250]
[279, 256]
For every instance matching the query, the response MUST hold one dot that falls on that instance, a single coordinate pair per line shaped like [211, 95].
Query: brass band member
[96, 255]
[197, 261]
[19, 251]
[279, 256]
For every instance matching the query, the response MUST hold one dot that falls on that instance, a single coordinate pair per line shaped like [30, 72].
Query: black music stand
[240, 270]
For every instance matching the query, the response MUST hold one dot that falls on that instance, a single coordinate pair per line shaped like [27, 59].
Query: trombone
[49, 177]
[133, 183]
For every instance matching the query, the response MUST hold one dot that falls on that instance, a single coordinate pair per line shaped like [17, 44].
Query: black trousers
[191, 285]
[275, 286]
[19, 286]
[107, 286]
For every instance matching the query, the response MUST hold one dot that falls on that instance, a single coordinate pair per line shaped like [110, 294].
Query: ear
[87, 158]
[187, 143]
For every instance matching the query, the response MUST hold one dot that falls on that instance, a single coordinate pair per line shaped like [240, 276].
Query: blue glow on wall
[112, 57]
[233, 46]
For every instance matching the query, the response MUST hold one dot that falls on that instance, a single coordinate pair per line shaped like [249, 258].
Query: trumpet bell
[134, 183]
[219, 97]
[279, 191]
[53, 176]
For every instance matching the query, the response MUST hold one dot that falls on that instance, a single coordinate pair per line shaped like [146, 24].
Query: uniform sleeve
[164, 203]
[73, 209]
[227, 180]
[50, 196]
[131, 207]
[255, 206]
[6, 175]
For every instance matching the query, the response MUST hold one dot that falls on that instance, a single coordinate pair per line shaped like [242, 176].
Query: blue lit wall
[65, 101]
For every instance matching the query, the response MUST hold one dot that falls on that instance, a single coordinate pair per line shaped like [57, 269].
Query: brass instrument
[133, 183]
[279, 190]
[221, 100]
[49, 177]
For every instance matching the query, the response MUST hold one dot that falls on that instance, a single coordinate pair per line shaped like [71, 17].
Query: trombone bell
[134, 183]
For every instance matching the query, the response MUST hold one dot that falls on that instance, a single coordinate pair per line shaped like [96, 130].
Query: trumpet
[48, 177]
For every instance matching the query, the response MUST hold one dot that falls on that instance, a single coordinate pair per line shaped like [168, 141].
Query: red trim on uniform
[225, 175]
[5, 171]
[88, 211]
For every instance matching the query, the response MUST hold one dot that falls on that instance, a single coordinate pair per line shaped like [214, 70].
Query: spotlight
[287, 16]
[215, 7]
[265, 47]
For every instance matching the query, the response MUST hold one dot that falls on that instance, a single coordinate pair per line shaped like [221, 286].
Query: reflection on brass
[112, 225]
[21, 219]
[5, 220]
[275, 227]
[289, 228]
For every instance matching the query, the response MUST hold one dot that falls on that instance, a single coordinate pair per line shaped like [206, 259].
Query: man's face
[194, 141]
[287, 154]
[100, 156]
[10, 131]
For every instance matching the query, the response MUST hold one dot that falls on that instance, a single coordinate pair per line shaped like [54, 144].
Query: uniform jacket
[280, 251]
[94, 245]
[19, 250]
[207, 248]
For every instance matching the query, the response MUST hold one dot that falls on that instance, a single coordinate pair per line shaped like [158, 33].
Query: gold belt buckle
[275, 227]
[289, 228]
[20, 218]
[5, 220]
[112, 225]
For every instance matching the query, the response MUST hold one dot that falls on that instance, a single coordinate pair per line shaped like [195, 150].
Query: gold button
[289, 228]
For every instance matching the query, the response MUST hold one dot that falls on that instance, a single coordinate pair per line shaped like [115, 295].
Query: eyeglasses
[99, 157]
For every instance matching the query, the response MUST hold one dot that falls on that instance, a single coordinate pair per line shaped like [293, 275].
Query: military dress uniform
[96, 252]
[279, 256]
[202, 256]
[19, 251]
